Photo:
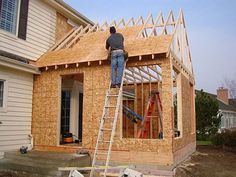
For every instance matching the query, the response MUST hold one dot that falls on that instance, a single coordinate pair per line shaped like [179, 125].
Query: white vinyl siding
[15, 127]
[228, 119]
[40, 36]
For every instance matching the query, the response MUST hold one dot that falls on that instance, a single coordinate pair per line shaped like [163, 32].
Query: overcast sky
[211, 28]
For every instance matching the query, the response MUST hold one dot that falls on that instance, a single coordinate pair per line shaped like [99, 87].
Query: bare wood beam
[121, 22]
[133, 76]
[63, 38]
[69, 38]
[131, 20]
[148, 73]
[140, 19]
[167, 20]
[133, 70]
[79, 35]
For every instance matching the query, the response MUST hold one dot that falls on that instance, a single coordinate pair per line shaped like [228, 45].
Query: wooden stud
[113, 23]
[79, 35]
[153, 31]
[139, 73]
[133, 76]
[148, 73]
[63, 39]
[153, 56]
[164, 28]
[140, 19]
[130, 21]
[63, 44]
[104, 24]
[120, 22]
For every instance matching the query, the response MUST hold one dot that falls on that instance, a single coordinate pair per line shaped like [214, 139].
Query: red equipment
[145, 125]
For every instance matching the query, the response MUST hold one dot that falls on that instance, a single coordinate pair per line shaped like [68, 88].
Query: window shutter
[23, 19]
[0, 7]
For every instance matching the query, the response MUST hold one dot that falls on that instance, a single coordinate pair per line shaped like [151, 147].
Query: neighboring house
[227, 108]
[28, 28]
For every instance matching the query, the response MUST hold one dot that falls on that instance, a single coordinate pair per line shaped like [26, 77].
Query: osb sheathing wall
[62, 26]
[46, 114]
[186, 144]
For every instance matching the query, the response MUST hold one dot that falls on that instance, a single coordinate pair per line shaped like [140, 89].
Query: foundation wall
[46, 115]
[186, 144]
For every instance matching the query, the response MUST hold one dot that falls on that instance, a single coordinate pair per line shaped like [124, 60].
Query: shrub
[230, 138]
[227, 137]
[217, 139]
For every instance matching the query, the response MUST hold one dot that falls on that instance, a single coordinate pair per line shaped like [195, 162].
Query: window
[65, 111]
[1, 93]
[8, 17]
[14, 17]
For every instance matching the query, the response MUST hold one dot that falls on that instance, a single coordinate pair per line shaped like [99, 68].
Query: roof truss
[178, 50]
[142, 74]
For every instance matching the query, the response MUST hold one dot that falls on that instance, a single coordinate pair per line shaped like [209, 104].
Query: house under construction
[150, 120]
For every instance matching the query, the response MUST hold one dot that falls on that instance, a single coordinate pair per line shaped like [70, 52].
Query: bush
[227, 138]
[230, 138]
[217, 139]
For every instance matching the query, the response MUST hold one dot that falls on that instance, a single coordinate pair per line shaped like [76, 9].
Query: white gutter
[227, 111]
[11, 63]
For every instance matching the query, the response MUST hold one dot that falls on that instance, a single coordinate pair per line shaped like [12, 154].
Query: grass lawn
[204, 143]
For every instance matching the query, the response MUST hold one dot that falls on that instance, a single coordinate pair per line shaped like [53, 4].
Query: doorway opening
[71, 117]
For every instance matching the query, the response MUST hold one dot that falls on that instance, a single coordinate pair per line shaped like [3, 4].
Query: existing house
[78, 70]
[28, 28]
[227, 108]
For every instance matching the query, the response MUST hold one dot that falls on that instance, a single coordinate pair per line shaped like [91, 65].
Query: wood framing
[156, 47]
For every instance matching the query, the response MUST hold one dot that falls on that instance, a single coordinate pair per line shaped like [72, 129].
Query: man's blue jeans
[117, 66]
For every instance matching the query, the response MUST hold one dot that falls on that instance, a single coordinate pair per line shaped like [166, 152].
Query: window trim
[5, 93]
[17, 21]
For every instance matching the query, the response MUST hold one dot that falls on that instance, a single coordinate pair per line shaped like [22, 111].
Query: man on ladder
[115, 43]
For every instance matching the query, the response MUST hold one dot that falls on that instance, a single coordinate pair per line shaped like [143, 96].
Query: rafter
[130, 21]
[83, 31]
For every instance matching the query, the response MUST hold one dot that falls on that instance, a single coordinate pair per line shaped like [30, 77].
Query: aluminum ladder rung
[106, 108]
[102, 141]
[106, 129]
[108, 117]
[110, 106]
[112, 95]
[101, 153]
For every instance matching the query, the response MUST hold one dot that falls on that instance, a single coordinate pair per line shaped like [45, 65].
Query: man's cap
[112, 29]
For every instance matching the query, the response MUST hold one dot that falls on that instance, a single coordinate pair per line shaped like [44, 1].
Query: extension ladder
[145, 125]
[108, 124]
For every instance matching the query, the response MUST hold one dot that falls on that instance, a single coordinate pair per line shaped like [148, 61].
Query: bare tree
[231, 85]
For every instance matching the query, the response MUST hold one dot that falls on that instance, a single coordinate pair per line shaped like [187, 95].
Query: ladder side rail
[115, 119]
[149, 114]
[140, 132]
[100, 127]
[159, 105]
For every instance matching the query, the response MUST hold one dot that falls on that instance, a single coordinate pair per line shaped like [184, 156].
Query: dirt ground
[207, 161]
